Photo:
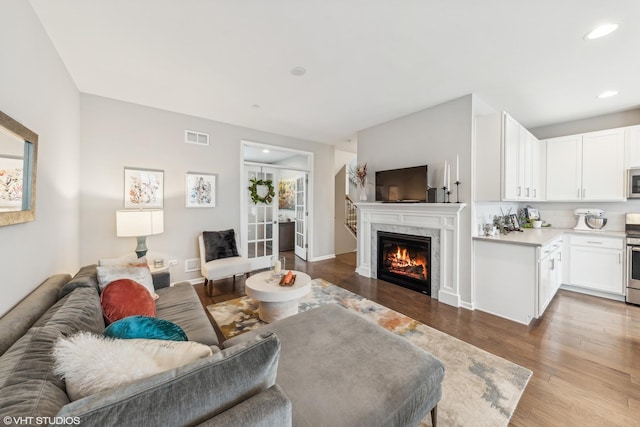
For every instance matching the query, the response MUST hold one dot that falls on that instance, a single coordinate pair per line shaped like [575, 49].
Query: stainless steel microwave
[633, 188]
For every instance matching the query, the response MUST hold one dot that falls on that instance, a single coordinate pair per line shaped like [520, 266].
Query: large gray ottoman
[339, 369]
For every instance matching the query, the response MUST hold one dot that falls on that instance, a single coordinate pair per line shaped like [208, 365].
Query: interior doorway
[283, 223]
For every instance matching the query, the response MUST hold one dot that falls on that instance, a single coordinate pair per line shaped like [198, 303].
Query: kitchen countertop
[542, 236]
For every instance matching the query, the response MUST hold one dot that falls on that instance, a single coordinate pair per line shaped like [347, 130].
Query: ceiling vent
[193, 137]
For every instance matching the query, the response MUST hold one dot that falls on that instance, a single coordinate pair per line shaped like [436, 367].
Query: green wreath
[259, 184]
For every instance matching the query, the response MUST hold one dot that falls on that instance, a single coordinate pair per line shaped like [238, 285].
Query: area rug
[479, 388]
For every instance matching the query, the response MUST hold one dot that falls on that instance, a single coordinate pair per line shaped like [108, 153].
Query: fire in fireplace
[405, 260]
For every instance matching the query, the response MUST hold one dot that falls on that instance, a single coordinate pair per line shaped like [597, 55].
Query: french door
[301, 216]
[261, 219]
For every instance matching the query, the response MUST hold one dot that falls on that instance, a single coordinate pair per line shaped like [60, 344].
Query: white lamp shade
[139, 223]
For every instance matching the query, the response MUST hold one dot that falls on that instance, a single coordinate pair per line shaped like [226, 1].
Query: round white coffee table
[275, 301]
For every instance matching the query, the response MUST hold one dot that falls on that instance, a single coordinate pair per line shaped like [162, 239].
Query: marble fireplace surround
[440, 221]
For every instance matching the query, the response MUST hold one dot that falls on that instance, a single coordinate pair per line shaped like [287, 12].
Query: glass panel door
[301, 217]
[262, 241]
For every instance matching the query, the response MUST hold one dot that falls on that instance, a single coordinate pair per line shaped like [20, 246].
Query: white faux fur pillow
[125, 259]
[91, 363]
[136, 270]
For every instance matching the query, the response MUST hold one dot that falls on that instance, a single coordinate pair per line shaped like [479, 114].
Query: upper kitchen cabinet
[587, 167]
[508, 160]
[632, 142]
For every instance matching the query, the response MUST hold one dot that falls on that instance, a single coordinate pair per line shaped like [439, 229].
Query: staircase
[351, 215]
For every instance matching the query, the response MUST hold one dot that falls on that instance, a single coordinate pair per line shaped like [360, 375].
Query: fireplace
[405, 260]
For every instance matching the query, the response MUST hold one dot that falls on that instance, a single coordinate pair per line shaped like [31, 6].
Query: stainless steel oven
[633, 183]
[632, 228]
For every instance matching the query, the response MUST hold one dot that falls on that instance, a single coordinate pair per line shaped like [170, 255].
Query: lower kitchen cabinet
[597, 263]
[516, 281]
[549, 274]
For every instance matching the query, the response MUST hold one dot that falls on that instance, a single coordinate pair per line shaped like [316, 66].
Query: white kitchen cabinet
[508, 160]
[549, 274]
[522, 168]
[534, 165]
[564, 167]
[588, 167]
[558, 270]
[512, 158]
[632, 146]
[544, 284]
[516, 281]
[596, 262]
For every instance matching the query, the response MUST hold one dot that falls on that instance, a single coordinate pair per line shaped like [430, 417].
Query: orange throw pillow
[125, 297]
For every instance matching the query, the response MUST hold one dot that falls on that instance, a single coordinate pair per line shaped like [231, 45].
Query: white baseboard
[195, 281]
[323, 258]
[449, 298]
[592, 292]
[467, 305]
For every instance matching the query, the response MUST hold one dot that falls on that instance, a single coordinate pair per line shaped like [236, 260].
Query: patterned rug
[479, 388]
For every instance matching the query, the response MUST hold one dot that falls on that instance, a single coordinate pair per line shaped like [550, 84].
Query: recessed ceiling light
[298, 71]
[255, 106]
[608, 94]
[601, 31]
[265, 151]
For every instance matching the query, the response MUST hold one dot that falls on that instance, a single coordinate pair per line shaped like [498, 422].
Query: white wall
[37, 91]
[429, 137]
[116, 134]
[592, 124]
[345, 241]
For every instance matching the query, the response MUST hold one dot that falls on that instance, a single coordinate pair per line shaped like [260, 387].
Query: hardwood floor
[584, 352]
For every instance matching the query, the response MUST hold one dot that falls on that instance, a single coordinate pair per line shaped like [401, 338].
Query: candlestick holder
[448, 196]
[458, 191]
[444, 194]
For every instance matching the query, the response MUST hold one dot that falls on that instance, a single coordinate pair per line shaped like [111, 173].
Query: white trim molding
[444, 217]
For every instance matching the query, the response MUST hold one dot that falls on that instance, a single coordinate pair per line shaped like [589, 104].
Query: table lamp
[139, 224]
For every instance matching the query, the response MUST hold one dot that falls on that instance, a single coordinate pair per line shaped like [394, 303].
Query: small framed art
[532, 214]
[143, 188]
[200, 190]
[514, 221]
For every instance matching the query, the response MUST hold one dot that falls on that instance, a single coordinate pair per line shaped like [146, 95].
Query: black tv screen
[402, 185]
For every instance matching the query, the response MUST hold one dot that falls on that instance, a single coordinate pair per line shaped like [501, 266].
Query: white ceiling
[367, 61]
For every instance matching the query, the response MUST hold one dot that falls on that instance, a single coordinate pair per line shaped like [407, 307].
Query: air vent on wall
[192, 264]
[193, 137]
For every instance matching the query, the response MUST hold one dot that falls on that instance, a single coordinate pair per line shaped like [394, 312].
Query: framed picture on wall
[200, 190]
[10, 183]
[286, 194]
[143, 188]
[514, 222]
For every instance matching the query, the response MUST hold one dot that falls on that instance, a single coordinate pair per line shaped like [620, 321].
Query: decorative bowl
[596, 223]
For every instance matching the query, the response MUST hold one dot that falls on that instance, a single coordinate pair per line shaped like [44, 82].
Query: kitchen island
[518, 274]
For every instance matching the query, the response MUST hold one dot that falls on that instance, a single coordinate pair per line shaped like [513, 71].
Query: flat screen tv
[402, 185]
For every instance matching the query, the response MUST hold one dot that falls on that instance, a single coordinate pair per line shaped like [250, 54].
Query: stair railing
[351, 215]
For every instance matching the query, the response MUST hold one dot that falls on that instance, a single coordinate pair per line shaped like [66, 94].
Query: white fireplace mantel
[444, 217]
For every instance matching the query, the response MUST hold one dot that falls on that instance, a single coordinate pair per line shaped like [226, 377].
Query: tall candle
[457, 168]
[277, 267]
[444, 174]
[448, 175]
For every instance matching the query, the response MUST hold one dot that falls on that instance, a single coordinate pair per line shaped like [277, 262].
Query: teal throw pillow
[145, 327]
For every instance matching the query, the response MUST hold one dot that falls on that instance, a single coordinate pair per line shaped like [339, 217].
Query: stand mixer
[590, 219]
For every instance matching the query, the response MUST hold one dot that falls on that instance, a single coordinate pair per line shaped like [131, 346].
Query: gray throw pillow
[219, 244]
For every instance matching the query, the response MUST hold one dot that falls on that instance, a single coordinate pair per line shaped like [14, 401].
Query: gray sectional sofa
[324, 367]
